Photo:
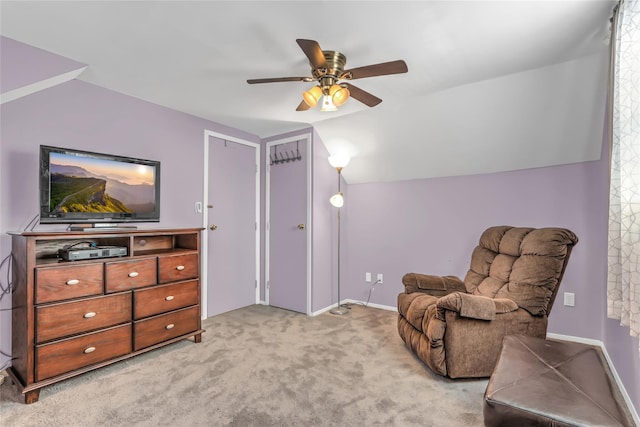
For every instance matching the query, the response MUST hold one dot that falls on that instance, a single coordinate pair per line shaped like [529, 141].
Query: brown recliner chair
[457, 327]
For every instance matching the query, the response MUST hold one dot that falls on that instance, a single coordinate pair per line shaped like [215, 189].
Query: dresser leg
[197, 338]
[31, 396]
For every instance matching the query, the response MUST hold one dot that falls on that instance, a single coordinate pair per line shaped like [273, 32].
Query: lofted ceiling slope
[492, 85]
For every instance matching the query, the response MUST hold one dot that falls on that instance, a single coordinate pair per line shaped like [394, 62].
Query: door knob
[213, 227]
[300, 226]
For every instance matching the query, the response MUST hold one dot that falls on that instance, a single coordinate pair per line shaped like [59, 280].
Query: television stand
[100, 226]
[71, 317]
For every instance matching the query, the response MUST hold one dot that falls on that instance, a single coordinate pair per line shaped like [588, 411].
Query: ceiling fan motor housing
[327, 77]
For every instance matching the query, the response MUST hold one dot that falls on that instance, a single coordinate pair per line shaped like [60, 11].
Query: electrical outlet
[367, 277]
[380, 278]
[569, 299]
[198, 207]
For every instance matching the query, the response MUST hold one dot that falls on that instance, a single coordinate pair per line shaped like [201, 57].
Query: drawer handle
[89, 315]
[133, 274]
[89, 350]
[180, 267]
[169, 298]
[169, 326]
[73, 282]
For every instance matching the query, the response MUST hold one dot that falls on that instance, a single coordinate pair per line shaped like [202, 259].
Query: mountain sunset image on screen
[88, 184]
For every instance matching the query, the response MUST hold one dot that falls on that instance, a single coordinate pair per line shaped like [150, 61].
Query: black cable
[32, 223]
[91, 244]
[8, 288]
[366, 304]
[6, 364]
[370, 292]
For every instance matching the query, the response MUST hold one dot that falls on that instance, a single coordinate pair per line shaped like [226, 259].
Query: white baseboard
[616, 377]
[353, 301]
[323, 310]
[383, 307]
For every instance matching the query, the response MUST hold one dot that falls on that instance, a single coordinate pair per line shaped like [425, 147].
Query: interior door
[232, 226]
[288, 229]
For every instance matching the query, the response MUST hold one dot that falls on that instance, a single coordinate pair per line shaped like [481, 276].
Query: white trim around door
[205, 215]
[306, 139]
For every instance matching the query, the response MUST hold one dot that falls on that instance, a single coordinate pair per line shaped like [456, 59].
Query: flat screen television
[102, 190]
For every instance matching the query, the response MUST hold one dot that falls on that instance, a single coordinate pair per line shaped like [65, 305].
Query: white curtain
[623, 287]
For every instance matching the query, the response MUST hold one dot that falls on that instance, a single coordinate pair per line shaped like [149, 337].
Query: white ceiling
[486, 79]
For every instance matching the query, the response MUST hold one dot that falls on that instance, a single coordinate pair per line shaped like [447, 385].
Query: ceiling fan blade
[311, 48]
[393, 67]
[363, 96]
[303, 106]
[280, 79]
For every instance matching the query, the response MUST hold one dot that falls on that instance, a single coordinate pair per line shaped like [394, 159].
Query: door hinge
[268, 284]
[256, 284]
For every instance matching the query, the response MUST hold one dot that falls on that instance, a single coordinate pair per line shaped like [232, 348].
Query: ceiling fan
[327, 68]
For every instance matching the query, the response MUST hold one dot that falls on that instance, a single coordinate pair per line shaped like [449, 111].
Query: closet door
[232, 225]
[288, 229]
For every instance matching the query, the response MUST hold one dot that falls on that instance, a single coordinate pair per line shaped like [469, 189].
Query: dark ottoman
[539, 382]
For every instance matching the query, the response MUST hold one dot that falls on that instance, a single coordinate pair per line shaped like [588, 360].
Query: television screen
[86, 187]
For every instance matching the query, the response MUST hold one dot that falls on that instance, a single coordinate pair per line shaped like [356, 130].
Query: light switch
[569, 299]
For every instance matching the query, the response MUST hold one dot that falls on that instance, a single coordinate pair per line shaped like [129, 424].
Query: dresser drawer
[164, 327]
[172, 268]
[63, 319]
[73, 353]
[68, 281]
[125, 275]
[164, 298]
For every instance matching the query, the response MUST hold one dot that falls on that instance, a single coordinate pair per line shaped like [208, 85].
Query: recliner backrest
[522, 264]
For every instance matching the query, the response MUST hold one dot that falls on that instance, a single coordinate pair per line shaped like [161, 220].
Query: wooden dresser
[70, 317]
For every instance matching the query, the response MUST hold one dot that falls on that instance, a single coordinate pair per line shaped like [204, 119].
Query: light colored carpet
[262, 366]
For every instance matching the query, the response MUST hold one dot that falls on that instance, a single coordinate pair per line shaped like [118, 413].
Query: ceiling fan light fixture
[339, 94]
[327, 104]
[312, 96]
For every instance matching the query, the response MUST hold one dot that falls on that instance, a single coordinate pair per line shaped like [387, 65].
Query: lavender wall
[432, 225]
[24, 65]
[81, 115]
[324, 228]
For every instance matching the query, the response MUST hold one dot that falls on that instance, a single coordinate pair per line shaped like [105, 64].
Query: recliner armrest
[432, 285]
[474, 306]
